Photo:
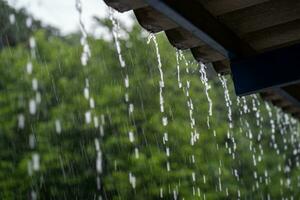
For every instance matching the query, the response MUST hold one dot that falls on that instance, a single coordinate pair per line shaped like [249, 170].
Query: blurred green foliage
[68, 159]
[14, 25]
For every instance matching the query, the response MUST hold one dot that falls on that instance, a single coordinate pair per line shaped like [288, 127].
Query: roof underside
[242, 27]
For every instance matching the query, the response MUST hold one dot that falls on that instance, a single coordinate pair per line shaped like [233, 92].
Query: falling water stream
[33, 165]
[194, 133]
[85, 56]
[204, 81]
[231, 149]
[152, 38]
[131, 134]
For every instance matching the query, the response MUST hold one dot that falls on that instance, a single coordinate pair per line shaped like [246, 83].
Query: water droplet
[165, 121]
[96, 122]
[34, 84]
[97, 144]
[92, 103]
[12, 19]
[131, 136]
[126, 81]
[32, 43]
[31, 141]
[21, 121]
[29, 67]
[88, 117]
[57, 126]
[165, 138]
[35, 161]
[131, 108]
[99, 162]
[32, 106]
[136, 151]
[126, 97]
[29, 168]
[101, 130]
[132, 180]
[28, 22]
[38, 97]
[86, 93]
[193, 176]
[33, 195]
[168, 166]
[168, 151]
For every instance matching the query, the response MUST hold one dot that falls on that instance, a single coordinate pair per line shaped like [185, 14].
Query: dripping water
[85, 56]
[115, 33]
[186, 89]
[204, 81]
[152, 38]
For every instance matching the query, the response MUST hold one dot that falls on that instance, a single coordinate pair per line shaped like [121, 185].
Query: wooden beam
[262, 16]
[274, 36]
[206, 54]
[287, 96]
[182, 39]
[152, 20]
[125, 5]
[222, 67]
[269, 96]
[219, 7]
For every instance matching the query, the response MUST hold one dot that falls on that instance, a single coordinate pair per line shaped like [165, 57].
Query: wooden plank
[274, 36]
[287, 97]
[196, 19]
[281, 98]
[269, 95]
[206, 54]
[282, 103]
[262, 16]
[152, 20]
[294, 90]
[219, 7]
[182, 39]
[125, 5]
[222, 67]
[291, 109]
